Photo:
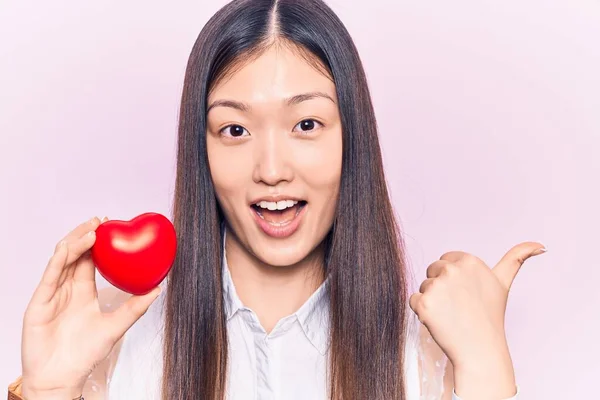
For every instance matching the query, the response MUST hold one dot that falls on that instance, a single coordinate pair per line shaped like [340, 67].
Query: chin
[282, 256]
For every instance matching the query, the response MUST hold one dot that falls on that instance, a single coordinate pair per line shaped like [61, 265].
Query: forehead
[279, 72]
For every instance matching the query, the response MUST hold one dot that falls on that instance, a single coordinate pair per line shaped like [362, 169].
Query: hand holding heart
[65, 333]
[463, 302]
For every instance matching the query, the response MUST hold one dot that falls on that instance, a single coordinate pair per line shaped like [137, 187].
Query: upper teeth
[276, 205]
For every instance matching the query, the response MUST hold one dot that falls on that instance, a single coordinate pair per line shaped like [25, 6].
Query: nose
[272, 158]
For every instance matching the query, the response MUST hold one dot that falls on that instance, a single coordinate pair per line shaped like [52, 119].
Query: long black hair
[365, 256]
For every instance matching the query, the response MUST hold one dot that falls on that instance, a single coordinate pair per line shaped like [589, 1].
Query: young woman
[290, 280]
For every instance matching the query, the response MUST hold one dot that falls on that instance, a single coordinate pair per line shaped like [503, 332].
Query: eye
[307, 125]
[235, 131]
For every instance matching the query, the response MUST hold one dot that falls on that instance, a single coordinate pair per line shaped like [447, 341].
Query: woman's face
[274, 145]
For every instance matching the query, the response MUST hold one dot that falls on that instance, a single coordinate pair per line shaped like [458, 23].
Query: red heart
[135, 256]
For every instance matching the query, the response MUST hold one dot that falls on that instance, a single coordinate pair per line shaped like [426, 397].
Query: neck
[272, 292]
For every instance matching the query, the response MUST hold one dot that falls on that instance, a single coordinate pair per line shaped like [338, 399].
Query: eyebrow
[290, 101]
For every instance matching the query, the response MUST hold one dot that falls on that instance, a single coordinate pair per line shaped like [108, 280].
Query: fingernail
[91, 233]
[540, 251]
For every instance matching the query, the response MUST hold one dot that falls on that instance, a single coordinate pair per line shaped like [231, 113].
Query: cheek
[229, 172]
[322, 167]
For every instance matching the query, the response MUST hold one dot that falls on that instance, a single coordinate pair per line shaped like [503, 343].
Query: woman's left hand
[463, 303]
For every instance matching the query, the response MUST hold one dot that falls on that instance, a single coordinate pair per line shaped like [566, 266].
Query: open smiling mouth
[279, 213]
[279, 219]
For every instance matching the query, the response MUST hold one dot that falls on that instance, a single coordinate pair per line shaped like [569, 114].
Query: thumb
[125, 316]
[506, 270]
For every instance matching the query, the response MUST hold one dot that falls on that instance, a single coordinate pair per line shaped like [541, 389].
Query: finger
[413, 302]
[460, 256]
[52, 274]
[85, 270]
[125, 316]
[436, 268]
[82, 229]
[506, 270]
[77, 260]
[426, 284]
[77, 247]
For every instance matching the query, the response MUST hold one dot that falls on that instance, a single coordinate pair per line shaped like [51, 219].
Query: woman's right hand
[65, 334]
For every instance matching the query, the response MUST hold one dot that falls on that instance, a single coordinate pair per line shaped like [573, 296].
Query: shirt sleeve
[98, 382]
[432, 364]
[436, 373]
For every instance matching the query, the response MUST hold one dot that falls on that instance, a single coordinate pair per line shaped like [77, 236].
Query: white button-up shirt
[289, 363]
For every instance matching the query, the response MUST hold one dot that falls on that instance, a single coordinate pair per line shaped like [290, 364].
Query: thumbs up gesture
[463, 303]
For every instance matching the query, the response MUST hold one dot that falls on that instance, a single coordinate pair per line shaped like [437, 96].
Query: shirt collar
[313, 315]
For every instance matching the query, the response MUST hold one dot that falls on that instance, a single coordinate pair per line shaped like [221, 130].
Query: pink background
[490, 122]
